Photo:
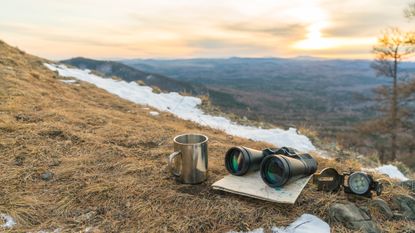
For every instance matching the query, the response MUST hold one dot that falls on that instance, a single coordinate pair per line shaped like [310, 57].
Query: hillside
[111, 68]
[129, 74]
[79, 159]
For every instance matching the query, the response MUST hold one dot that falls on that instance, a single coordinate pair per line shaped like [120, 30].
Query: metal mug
[189, 161]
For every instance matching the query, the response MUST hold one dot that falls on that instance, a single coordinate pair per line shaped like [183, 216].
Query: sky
[105, 29]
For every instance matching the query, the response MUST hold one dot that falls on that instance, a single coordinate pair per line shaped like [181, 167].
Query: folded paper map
[251, 185]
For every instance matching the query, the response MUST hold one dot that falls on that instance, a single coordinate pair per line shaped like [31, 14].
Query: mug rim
[190, 144]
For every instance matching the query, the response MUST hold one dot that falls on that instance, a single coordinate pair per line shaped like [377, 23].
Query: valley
[326, 95]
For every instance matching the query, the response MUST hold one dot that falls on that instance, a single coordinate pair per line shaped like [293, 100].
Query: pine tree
[393, 47]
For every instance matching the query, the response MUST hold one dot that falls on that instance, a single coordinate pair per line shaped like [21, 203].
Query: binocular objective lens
[274, 171]
[237, 161]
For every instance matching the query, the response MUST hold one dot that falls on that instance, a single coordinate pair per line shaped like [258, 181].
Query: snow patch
[8, 221]
[306, 223]
[57, 230]
[186, 107]
[392, 172]
[259, 230]
[69, 81]
[154, 113]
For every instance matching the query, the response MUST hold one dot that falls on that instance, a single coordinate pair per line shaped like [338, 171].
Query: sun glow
[315, 40]
[317, 19]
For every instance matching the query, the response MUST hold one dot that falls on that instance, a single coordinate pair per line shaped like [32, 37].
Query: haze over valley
[327, 95]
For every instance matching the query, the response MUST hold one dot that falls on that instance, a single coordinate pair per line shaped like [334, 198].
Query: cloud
[57, 35]
[213, 44]
[277, 29]
[358, 24]
[221, 44]
[165, 28]
[222, 48]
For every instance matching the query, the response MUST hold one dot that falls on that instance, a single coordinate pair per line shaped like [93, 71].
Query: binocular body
[287, 167]
[277, 166]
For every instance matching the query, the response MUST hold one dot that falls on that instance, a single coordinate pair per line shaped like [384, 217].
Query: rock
[26, 118]
[409, 184]
[352, 217]
[55, 133]
[60, 135]
[409, 229]
[381, 207]
[46, 176]
[406, 204]
[86, 217]
[92, 230]
[19, 159]
[55, 162]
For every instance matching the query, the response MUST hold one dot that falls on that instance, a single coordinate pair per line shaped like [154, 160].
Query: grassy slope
[108, 157]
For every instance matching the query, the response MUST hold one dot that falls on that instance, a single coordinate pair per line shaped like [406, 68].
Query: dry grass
[108, 157]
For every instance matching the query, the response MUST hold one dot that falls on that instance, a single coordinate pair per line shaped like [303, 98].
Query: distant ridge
[129, 74]
[167, 84]
[310, 58]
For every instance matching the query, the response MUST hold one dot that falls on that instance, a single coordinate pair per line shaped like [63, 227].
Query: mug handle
[171, 158]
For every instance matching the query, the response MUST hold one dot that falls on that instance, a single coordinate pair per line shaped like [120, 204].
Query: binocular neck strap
[280, 151]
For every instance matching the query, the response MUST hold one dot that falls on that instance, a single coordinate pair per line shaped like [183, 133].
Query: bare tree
[393, 47]
[409, 11]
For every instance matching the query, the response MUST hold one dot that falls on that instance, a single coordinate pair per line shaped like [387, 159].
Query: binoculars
[277, 166]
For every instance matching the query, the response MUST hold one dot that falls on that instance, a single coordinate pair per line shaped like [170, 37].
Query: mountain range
[328, 95]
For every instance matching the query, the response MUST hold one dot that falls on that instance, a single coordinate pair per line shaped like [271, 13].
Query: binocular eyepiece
[277, 166]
